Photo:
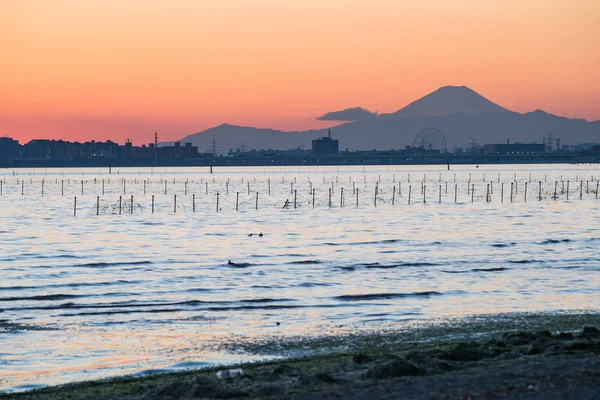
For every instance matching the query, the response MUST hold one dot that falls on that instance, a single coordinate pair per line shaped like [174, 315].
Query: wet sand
[531, 356]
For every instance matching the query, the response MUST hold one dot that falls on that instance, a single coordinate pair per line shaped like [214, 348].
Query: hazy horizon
[105, 70]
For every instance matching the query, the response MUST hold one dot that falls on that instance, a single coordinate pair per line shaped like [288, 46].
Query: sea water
[101, 288]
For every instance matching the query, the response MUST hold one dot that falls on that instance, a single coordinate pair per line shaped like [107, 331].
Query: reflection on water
[92, 296]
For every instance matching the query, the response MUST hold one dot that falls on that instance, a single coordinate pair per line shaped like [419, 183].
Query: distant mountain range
[460, 113]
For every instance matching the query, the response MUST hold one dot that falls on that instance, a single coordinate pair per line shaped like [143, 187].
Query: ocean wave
[384, 296]
[554, 241]
[305, 262]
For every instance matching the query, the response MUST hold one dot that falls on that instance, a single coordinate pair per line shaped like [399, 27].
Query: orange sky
[117, 69]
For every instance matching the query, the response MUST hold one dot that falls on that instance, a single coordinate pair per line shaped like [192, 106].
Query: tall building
[326, 146]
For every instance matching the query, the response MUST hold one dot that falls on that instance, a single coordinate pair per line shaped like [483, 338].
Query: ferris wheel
[430, 139]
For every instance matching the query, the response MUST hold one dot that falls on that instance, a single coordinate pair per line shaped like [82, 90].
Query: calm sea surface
[133, 290]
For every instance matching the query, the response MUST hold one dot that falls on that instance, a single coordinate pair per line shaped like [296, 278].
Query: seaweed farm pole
[165, 186]
[124, 186]
[291, 187]
[194, 202]
[329, 198]
[375, 197]
[207, 188]
[487, 194]
[409, 192]
[424, 193]
[597, 183]
[97, 205]
[567, 190]
[472, 192]
[256, 204]
[581, 190]
[393, 195]
[75, 207]
[185, 188]
[511, 192]
[295, 194]
[356, 197]
[82, 187]
[440, 199]
[152, 204]
[217, 202]
[0, 187]
[22, 187]
[555, 188]
[525, 194]
[42, 187]
[269, 185]
[120, 200]
[455, 192]
[102, 187]
[341, 198]
[502, 193]
[131, 204]
[540, 191]
[313, 197]
[237, 201]
[144, 186]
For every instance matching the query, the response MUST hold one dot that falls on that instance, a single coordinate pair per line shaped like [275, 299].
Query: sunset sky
[118, 69]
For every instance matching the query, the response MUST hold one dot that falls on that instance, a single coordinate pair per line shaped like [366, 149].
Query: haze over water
[95, 296]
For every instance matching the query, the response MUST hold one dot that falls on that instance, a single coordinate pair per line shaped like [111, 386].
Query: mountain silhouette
[461, 114]
[448, 100]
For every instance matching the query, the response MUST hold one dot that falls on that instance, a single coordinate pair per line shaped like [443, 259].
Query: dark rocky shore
[550, 357]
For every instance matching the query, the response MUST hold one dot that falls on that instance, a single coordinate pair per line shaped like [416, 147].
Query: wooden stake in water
[567, 190]
[525, 194]
[455, 193]
[120, 204]
[472, 192]
[502, 193]
[356, 197]
[131, 204]
[329, 198]
[217, 202]
[97, 205]
[424, 193]
[409, 193]
[375, 197]
[256, 204]
[193, 202]
[313, 197]
[75, 207]
[440, 199]
[295, 195]
[540, 191]
[393, 195]
[341, 198]
[152, 204]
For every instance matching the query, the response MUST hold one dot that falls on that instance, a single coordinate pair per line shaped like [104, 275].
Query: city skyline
[111, 71]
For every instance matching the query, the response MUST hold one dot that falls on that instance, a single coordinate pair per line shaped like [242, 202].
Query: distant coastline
[362, 158]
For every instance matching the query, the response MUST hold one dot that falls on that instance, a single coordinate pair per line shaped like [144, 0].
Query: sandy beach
[520, 355]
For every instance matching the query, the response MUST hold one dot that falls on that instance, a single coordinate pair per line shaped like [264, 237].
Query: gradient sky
[117, 69]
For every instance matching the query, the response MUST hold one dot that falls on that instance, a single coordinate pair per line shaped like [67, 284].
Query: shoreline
[444, 359]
